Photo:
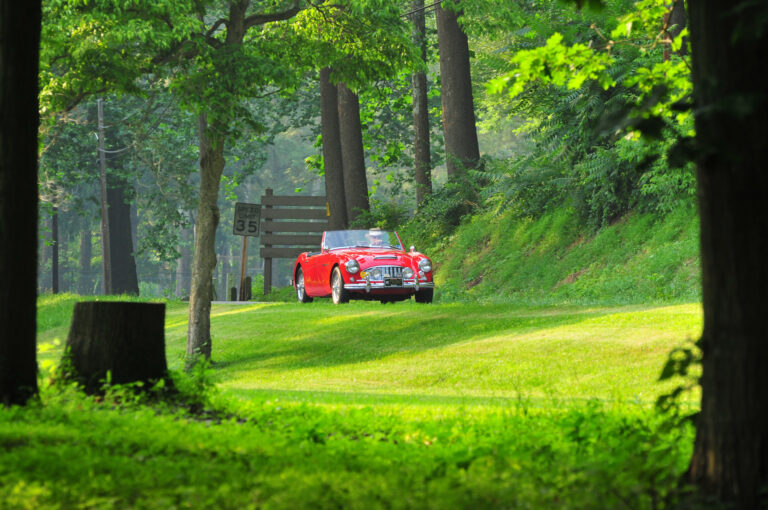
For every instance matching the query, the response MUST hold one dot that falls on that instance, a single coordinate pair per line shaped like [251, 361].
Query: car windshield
[336, 239]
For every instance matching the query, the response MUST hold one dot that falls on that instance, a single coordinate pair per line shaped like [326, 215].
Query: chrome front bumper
[368, 285]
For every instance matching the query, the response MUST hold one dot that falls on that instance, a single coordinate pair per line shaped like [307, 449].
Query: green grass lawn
[369, 406]
[462, 352]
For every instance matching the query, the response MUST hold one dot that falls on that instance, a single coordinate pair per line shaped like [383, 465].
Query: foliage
[587, 99]
[557, 63]
[74, 451]
[276, 295]
[361, 40]
[383, 215]
[443, 210]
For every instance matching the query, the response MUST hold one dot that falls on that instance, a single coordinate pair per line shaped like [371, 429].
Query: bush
[383, 215]
[443, 211]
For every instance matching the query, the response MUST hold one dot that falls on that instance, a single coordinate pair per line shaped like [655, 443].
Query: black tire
[424, 295]
[301, 292]
[338, 293]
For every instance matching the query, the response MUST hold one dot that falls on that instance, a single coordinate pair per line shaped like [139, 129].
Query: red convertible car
[363, 264]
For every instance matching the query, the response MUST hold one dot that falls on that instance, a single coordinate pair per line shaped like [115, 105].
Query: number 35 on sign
[247, 217]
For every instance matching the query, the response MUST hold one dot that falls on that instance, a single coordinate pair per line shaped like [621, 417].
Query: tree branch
[216, 26]
[260, 19]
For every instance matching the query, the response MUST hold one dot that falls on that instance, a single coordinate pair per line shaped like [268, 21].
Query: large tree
[352, 153]
[421, 147]
[332, 161]
[230, 57]
[353, 44]
[19, 52]
[728, 46]
[461, 146]
[121, 249]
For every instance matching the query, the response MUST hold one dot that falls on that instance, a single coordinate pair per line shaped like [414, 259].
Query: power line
[432, 7]
[116, 151]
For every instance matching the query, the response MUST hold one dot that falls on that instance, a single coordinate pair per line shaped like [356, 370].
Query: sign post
[246, 224]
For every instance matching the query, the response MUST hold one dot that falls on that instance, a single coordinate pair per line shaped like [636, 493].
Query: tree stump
[125, 339]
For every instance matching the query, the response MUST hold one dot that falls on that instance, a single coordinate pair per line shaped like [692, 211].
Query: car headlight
[352, 266]
[425, 265]
[407, 273]
[376, 274]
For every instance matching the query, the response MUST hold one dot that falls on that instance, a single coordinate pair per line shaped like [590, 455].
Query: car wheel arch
[330, 273]
[301, 294]
[296, 270]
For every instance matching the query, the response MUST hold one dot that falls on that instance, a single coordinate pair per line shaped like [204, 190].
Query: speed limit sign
[247, 217]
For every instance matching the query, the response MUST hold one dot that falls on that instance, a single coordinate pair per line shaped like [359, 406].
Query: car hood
[372, 257]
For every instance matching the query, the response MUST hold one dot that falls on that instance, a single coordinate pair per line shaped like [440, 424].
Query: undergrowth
[70, 450]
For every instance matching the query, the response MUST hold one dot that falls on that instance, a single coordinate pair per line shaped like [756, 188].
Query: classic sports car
[363, 264]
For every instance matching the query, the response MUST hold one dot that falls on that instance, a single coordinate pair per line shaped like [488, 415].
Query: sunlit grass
[461, 352]
[458, 351]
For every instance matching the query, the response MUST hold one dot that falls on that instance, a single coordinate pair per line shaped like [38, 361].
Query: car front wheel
[338, 292]
[424, 295]
[301, 292]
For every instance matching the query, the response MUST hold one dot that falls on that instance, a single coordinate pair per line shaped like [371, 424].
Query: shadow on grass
[292, 337]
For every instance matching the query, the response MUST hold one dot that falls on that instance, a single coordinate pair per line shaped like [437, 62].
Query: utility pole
[105, 255]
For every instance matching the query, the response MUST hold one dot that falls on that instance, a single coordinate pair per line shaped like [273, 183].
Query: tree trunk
[211, 168]
[65, 284]
[123, 265]
[421, 153]
[461, 147]
[126, 340]
[352, 155]
[106, 263]
[44, 251]
[84, 282]
[676, 20]
[55, 251]
[730, 458]
[19, 53]
[334, 173]
[183, 266]
[204, 259]
[134, 215]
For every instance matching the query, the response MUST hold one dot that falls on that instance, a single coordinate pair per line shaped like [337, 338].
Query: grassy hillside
[643, 258]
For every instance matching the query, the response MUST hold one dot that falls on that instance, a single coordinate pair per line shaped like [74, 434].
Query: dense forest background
[565, 102]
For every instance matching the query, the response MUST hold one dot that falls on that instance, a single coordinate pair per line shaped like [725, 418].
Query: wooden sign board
[292, 225]
[247, 218]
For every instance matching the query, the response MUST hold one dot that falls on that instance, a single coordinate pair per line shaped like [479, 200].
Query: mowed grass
[466, 352]
[370, 406]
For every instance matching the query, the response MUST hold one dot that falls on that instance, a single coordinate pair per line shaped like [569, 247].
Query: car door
[312, 277]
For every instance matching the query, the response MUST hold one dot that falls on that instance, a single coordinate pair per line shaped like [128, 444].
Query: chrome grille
[388, 271]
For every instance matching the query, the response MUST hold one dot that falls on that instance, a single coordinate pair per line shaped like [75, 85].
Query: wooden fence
[290, 225]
